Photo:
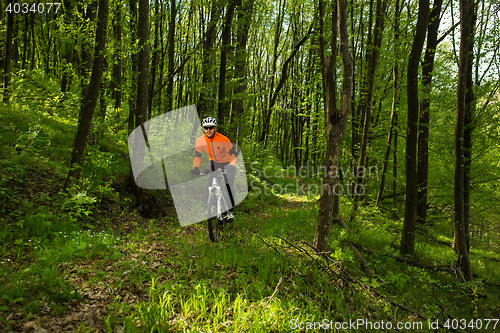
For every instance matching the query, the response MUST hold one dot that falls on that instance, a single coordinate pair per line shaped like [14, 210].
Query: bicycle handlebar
[218, 171]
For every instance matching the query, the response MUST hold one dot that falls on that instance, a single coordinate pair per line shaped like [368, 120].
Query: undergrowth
[85, 259]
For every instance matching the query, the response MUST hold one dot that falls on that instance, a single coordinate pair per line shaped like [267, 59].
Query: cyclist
[221, 153]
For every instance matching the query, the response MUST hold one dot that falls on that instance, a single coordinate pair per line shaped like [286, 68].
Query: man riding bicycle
[221, 153]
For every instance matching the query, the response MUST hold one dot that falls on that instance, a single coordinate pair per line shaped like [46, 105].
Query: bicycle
[216, 205]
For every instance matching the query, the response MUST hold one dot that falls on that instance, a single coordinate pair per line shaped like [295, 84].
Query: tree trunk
[423, 131]
[89, 100]
[142, 64]
[133, 74]
[90, 15]
[116, 81]
[461, 228]
[222, 109]
[205, 100]
[154, 62]
[395, 101]
[8, 56]
[389, 139]
[67, 48]
[33, 41]
[470, 103]
[410, 220]
[335, 123]
[26, 31]
[161, 73]
[357, 112]
[395, 169]
[244, 19]
[373, 53]
[267, 110]
[2, 54]
[171, 55]
[14, 52]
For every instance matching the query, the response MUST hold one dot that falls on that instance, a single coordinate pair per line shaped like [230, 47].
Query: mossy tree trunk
[461, 241]
[335, 123]
[410, 219]
[89, 99]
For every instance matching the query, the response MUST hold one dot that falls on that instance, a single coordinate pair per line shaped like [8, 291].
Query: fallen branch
[326, 268]
[363, 262]
[344, 276]
[275, 291]
[263, 241]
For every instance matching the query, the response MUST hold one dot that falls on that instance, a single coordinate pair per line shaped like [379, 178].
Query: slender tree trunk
[336, 123]
[294, 128]
[395, 169]
[141, 105]
[141, 110]
[154, 62]
[183, 92]
[33, 41]
[133, 74]
[388, 146]
[161, 73]
[26, 31]
[297, 125]
[101, 113]
[395, 101]
[8, 56]
[205, 101]
[267, 111]
[314, 129]
[171, 55]
[15, 42]
[470, 103]
[467, 10]
[103, 107]
[244, 19]
[423, 132]
[89, 100]
[116, 81]
[222, 109]
[90, 15]
[2, 54]
[67, 61]
[410, 220]
[357, 111]
[373, 53]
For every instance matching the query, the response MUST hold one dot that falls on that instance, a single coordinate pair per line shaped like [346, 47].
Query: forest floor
[88, 260]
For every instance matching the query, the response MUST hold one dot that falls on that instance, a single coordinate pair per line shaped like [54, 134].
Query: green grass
[86, 260]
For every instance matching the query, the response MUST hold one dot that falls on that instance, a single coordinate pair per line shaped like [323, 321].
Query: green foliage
[60, 249]
[35, 90]
[213, 310]
[78, 203]
[36, 282]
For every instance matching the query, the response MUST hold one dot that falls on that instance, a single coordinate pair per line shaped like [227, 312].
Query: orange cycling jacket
[219, 149]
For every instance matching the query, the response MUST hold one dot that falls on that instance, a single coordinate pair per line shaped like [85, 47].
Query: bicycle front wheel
[212, 222]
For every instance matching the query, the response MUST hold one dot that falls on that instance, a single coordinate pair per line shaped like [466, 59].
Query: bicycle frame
[216, 205]
[216, 190]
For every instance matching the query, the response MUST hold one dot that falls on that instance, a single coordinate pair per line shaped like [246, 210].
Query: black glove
[195, 171]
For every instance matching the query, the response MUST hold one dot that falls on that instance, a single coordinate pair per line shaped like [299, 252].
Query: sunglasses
[209, 127]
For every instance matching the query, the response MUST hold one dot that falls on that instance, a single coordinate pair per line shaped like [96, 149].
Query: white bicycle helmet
[209, 121]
